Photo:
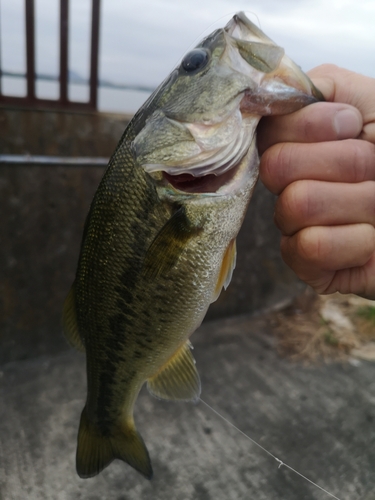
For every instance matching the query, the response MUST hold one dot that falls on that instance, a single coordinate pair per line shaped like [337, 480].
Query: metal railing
[31, 100]
[52, 161]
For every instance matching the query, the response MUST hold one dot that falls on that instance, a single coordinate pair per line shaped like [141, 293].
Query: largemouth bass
[159, 240]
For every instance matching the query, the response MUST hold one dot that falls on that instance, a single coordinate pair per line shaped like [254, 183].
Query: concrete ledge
[319, 420]
[64, 133]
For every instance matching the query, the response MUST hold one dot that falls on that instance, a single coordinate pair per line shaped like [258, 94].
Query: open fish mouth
[210, 183]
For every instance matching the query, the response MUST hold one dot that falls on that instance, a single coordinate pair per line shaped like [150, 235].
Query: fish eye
[195, 60]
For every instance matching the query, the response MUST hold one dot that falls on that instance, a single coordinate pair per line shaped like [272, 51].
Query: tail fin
[96, 451]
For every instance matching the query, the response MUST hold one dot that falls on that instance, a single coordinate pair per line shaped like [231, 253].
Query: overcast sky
[141, 41]
[150, 38]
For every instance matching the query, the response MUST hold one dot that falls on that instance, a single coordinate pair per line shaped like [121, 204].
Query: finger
[316, 253]
[316, 203]
[358, 280]
[319, 122]
[347, 161]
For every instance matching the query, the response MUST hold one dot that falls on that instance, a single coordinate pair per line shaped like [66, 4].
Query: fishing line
[280, 462]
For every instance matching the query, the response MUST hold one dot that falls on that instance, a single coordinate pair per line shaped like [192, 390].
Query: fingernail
[347, 123]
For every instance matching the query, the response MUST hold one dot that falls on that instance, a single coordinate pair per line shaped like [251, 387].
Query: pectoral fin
[227, 268]
[69, 322]
[168, 244]
[178, 379]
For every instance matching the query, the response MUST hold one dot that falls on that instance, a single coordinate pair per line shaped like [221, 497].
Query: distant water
[109, 100]
[120, 101]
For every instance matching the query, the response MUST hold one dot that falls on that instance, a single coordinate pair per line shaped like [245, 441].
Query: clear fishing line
[280, 462]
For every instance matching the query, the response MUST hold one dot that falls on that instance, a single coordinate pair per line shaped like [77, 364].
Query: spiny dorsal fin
[96, 451]
[261, 56]
[69, 322]
[178, 379]
[226, 270]
[168, 244]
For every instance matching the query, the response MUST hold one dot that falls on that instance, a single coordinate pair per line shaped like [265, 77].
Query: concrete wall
[42, 214]
[62, 133]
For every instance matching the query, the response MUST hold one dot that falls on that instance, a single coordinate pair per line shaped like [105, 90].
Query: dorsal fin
[226, 270]
[261, 56]
[178, 379]
[69, 321]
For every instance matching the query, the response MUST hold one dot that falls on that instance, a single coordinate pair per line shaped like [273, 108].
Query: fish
[159, 242]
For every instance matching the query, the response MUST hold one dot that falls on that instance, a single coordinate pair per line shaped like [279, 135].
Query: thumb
[344, 86]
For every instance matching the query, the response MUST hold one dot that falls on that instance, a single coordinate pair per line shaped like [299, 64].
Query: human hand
[320, 160]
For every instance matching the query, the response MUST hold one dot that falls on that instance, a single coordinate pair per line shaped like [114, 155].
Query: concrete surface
[319, 420]
[60, 133]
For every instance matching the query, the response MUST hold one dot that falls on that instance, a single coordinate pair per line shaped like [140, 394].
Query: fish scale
[158, 248]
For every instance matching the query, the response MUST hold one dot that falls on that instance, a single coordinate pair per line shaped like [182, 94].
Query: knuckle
[308, 127]
[315, 123]
[371, 202]
[364, 197]
[311, 248]
[298, 252]
[285, 156]
[275, 166]
[293, 206]
[367, 240]
[267, 169]
[362, 160]
[305, 246]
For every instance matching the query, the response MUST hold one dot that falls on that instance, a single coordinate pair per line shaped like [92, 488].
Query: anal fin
[226, 270]
[178, 379]
[69, 322]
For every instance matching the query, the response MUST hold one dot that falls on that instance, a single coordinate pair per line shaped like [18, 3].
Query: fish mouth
[229, 182]
[197, 147]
